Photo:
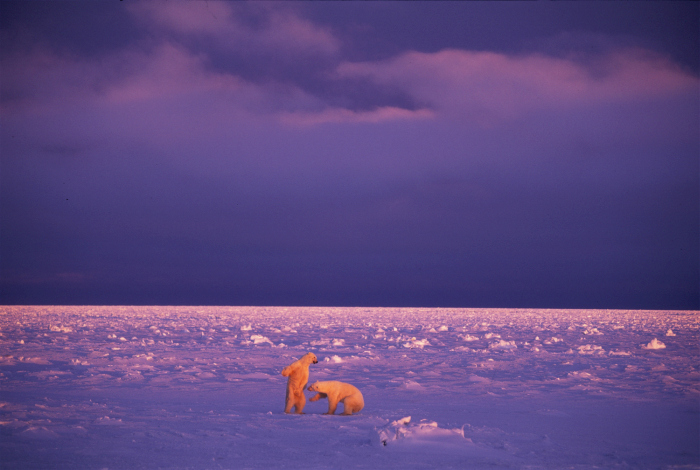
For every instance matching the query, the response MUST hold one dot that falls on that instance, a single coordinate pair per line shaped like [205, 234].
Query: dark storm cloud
[228, 153]
[378, 30]
[85, 29]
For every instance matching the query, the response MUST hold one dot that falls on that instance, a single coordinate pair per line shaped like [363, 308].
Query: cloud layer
[235, 153]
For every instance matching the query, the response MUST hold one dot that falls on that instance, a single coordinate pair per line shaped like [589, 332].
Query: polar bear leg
[288, 402]
[300, 401]
[296, 401]
[332, 405]
[318, 396]
[352, 405]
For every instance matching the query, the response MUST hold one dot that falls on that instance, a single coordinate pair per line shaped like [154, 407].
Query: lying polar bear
[336, 392]
[298, 373]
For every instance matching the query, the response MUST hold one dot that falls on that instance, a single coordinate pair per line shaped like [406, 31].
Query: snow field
[200, 387]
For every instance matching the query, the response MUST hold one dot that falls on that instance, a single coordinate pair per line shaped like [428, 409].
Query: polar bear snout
[315, 361]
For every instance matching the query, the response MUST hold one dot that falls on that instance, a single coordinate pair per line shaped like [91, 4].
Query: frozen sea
[200, 387]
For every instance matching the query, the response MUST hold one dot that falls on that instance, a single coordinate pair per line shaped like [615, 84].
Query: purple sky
[457, 154]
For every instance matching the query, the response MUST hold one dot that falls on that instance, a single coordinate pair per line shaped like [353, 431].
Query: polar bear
[298, 373]
[336, 392]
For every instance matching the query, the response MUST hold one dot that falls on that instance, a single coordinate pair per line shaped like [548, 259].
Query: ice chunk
[334, 359]
[619, 353]
[60, 329]
[654, 344]
[106, 420]
[670, 332]
[416, 343]
[503, 345]
[469, 337]
[35, 360]
[590, 349]
[424, 432]
[411, 385]
[553, 340]
[582, 375]
[260, 339]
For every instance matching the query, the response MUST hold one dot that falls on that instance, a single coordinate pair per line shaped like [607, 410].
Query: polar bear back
[337, 390]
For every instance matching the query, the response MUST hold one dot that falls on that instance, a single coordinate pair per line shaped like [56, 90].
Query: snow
[504, 345]
[200, 387]
[654, 344]
[403, 431]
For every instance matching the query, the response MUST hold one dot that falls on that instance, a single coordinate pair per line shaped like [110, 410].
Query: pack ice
[200, 387]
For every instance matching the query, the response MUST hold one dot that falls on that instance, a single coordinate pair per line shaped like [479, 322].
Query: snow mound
[416, 343]
[334, 358]
[260, 339]
[619, 353]
[503, 345]
[469, 337]
[403, 432]
[107, 421]
[411, 385]
[553, 340]
[34, 360]
[38, 432]
[590, 349]
[247, 327]
[60, 329]
[670, 332]
[654, 344]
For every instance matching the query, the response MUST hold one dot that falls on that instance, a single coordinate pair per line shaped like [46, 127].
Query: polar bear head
[313, 387]
[310, 358]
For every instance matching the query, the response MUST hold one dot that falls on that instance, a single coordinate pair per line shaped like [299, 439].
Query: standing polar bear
[298, 373]
[336, 392]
